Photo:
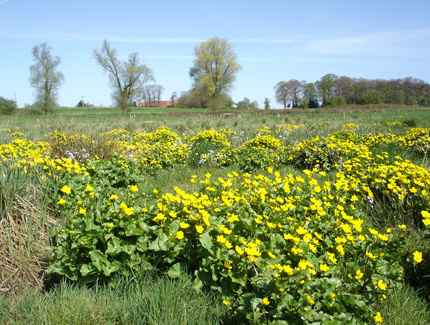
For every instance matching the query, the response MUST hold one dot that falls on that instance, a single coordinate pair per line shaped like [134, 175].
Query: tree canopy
[127, 78]
[44, 77]
[214, 68]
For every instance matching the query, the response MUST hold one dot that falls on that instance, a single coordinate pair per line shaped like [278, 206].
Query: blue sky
[274, 41]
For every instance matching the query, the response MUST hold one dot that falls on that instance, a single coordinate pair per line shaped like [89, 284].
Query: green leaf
[88, 269]
[99, 259]
[206, 241]
[133, 230]
[176, 270]
[114, 246]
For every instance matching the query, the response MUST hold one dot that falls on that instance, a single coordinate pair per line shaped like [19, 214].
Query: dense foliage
[279, 247]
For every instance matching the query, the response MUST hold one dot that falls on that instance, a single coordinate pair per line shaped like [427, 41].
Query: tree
[214, 68]
[310, 94]
[372, 97]
[282, 92]
[412, 100]
[399, 97]
[173, 98]
[326, 86]
[266, 103]
[44, 77]
[254, 105]
[295, 87]
[244, 104]
[7, 106]
[127, 78]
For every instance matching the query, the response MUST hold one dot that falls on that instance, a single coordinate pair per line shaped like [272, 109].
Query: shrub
[7, 106]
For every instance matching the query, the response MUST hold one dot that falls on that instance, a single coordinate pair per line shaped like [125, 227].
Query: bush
[335, 101]
[372, 97]
[7, 106]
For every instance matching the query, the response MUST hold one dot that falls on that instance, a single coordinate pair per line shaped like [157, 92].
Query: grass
[25, 223]
[142, 299]
[26, 220]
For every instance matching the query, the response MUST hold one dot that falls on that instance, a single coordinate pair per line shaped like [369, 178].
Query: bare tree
[44, 77]
[173, 98]
[159, 89]
[282, 93]
[296, 88]
[127, 78]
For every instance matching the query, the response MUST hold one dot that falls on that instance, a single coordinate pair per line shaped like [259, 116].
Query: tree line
[213, 74]
[332, 90]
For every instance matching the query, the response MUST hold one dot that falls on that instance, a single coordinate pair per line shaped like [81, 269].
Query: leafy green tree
[44, 77]
[310, 94]
[412, 100]
[304, 103]
[399, 97]
[335, 101]
[214, 68]
[372, 97]
[266, 103]
[327, 86]
[127, 78]
[7, 106]
[244, 104]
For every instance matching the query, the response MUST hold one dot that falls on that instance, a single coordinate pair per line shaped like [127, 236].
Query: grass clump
[142, 299]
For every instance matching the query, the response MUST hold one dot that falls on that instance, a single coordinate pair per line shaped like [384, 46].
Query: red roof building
[161, 103]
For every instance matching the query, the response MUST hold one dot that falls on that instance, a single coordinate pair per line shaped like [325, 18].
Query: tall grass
[143, 299]
[25, 222]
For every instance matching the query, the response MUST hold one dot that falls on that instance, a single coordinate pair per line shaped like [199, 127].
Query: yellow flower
[425, 214]
[113, 197]
[324, 267]
[402, 226]
[378, 318]
[265, 301]
[226, 302]
[134, 188]
[82, 211]
[89, 188]
[184, 225]
[155, 191]
[382, 285]
[110, 224]
[66, 190]
[309, 300]
[271, 255]
[179, 234]
[426, 222]
[370, 255]
[62, 201]
[358, 274]
[418, 256]
[239, 250]
[199, 229]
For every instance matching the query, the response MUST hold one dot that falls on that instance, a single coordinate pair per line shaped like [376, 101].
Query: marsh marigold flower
[179, 234]
[66, 190]
[378, 318]
[418, 257]
[382, 285]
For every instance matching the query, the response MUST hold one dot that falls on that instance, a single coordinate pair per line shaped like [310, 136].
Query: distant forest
[332, 90]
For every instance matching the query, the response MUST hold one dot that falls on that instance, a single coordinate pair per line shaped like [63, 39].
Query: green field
[256, 179]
